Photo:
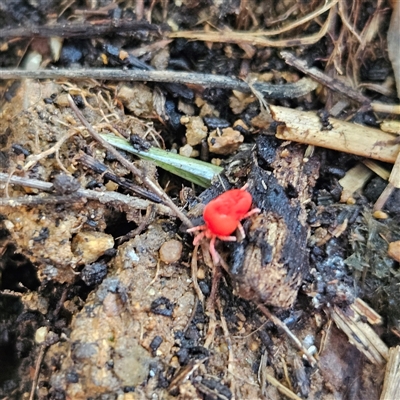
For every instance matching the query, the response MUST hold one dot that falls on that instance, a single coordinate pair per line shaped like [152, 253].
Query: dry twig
[393, 38]
[107, 197]
[260, 38]
[354, 180]
[391, 384]
[265, 377]
[306, 127]
[100, 168]
[360, 335]
[287, 91]
[288, 332]
[35, 158]
[81, 30]
[394, 183]
[324, 79]
[194, 275]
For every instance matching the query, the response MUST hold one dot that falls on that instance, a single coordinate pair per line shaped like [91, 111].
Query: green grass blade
[195, 171]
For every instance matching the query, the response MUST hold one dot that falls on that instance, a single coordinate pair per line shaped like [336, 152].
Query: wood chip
[306, 127]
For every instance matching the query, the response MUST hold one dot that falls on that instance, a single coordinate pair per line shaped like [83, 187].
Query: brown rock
[89, 246]
[225, 143]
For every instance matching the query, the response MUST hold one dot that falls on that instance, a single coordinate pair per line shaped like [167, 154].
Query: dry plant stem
[100, 168]
[8, 292]
[294, 338]
[212, 326]
[391, 384]
[28, 182]
[361, 335]
[394, 177]
[155, 275]
[143, 49]
[81, 30]
[298, 22]
[394, 183]
[354, 180]
[33, 159]
[227, 335]
[385, 108]
[287, 91]
[286, 373]
[210, 304]
[137, 172]
[39, 360]
[39, 200]
[393, 39]
[194, 275]
[60, 302]
[362, 308]
[377, 168]
[147, 220]
[305, 127]
[343, 17]
[194, 311]
[216, 276]
[383, 198]
[256, 39]
[283, 389]
[324, 79]
[102, 197]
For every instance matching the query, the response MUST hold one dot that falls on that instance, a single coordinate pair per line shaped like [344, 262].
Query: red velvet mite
[222, 217]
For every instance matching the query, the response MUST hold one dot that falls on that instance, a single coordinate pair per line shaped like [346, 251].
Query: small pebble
[224, 142]
[40, 334]
[394, 250]
[380, 215]
[171, 251]
[187, 151]
[89, 245]
[254, 345]
[196, 131]
[201, 273]
[312, 350]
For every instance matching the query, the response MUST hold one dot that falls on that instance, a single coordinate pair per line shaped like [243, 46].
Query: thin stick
[288, 332]
[103, 197]
[81, 30]
[283, 389]
[383, 198]
[328, 81]
[35, 158]
[136, 171]
[100, 168]
[196, 286]
[38, 363]
[244, 37]
[287, 91]
[36, 200]
[391, 384]
[231, 356]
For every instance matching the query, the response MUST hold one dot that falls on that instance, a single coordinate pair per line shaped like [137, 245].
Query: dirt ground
[104, 294]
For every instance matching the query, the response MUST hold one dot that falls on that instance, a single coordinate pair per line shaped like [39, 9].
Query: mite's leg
[199, 236]
[227, 238]
[251, 212]
[213, 252]
[241, 230]
[197, 228]
[240, 226]
[197, 239]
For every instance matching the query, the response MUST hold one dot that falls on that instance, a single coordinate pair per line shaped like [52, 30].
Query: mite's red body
[222, 217]
[223, 214]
